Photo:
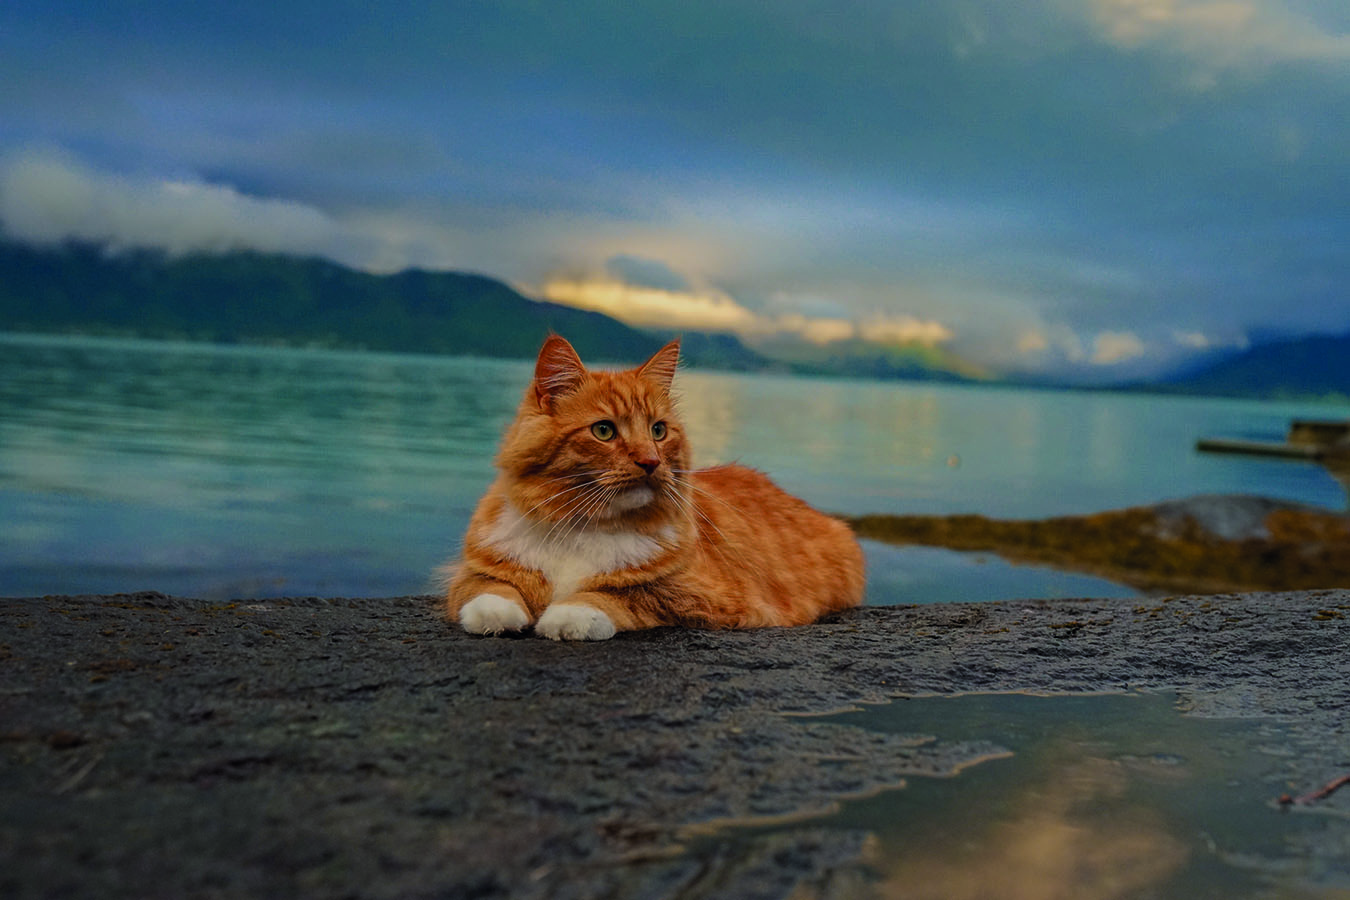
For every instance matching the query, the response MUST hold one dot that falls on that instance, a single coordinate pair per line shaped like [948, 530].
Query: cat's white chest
[567, 556]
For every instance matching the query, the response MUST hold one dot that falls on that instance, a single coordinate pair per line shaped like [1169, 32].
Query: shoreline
[1202, 544]
[159, 746]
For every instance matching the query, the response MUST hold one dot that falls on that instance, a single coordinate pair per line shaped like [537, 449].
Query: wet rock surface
[163, 747]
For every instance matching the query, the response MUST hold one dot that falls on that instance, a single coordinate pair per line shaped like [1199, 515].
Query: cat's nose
[647, 464]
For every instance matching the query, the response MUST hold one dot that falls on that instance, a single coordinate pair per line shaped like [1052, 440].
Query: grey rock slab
[153, 746]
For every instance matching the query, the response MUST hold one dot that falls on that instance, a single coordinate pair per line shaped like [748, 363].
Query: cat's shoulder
[736, 478]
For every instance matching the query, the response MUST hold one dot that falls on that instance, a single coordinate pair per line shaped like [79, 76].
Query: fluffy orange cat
[596, 524]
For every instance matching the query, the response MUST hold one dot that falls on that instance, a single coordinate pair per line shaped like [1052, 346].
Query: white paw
[490, 614]
[574, 622]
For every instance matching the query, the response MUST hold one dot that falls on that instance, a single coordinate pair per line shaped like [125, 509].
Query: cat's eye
[659, 431]
[604, 430]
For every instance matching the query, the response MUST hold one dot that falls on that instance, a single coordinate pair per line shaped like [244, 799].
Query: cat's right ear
[661, 367]
[557, 373]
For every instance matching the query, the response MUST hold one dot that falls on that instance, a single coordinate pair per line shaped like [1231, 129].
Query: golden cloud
[815, 330]
[652, 307]
[1112, 347]
[904, 330]
[1032, 342]
[707, 309]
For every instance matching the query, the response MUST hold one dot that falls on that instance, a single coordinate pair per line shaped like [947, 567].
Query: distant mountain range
[1315, 366]
[249, 297]
[856, 358]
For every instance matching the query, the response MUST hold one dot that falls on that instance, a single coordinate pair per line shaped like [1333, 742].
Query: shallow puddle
[1103, 797]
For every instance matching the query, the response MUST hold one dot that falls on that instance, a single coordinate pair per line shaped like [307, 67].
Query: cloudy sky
[1087, 187]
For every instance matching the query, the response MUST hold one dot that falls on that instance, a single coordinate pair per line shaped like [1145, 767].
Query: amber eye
[604, 430]
[659, 431]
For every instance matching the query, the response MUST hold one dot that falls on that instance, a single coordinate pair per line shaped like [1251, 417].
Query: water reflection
[860, 447]
[1074, 837]
[1105, 796]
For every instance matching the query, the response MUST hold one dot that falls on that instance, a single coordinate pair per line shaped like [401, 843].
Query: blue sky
[1091, 188]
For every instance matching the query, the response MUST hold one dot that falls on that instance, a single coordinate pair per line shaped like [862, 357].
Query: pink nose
[648, 464]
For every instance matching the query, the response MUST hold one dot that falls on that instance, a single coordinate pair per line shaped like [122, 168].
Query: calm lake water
[224, 471]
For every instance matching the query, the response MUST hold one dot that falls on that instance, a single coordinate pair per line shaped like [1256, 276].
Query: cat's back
[747, 490]
[751, 499]
[748, 524]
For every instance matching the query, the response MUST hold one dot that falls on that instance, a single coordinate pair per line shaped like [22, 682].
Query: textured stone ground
[162, 747]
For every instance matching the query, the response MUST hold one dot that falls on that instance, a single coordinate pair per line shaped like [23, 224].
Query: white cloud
[1054, 346]
[1111, 348]
[1042, 344]
[1057, 349]
[1229, 32]
[1194, 339]
[48, 197]
[1199, 340]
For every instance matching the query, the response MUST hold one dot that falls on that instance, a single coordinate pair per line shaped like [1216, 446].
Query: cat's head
[598, 446]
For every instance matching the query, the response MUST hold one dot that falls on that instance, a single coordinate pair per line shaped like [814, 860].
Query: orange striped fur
[596, 524]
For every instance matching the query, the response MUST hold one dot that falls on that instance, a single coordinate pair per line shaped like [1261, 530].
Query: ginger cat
[596, 524]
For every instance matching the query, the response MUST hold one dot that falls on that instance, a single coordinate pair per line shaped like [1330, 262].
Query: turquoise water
[241, 471]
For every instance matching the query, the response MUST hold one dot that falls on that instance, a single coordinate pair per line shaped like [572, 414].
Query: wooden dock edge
[1261, 448]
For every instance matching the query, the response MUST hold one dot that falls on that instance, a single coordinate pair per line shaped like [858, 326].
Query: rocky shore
[153, 746]
[1199, 544]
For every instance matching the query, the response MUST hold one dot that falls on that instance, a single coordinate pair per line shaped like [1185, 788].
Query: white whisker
[691, 506]
[597, 501]
[524, 520]
[573, 507]
[704, 492]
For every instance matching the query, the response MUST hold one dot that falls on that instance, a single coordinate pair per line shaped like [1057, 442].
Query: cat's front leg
[484, 605]
[585, 616]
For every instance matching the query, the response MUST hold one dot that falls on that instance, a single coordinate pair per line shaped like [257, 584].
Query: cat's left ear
[660, 369]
